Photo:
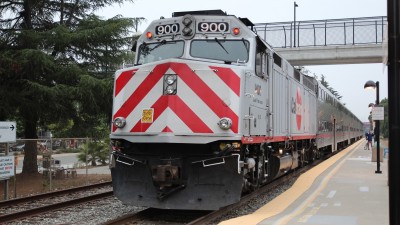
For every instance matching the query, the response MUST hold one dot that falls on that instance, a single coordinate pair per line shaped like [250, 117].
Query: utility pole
[393, 13]
[294, 23]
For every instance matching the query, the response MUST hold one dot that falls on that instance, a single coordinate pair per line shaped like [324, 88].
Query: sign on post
[378, 113]
[6, 167]
[8, 131]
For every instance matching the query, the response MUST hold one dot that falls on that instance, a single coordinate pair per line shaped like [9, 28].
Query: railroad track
[20, 208]
[213, 216]
[209, 218]
[158, 216]
[62, 212]
[193, 217]
[196, 217]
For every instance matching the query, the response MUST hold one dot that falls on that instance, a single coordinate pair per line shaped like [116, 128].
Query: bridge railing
[349, 31]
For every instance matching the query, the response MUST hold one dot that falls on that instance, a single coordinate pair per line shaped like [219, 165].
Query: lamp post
[294, 23]
[375, 85]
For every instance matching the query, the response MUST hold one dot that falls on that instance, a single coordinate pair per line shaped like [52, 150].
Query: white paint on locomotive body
[224, 81]
[208, 105]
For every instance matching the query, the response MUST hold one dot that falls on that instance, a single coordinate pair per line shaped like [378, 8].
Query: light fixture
[188, 29]
[225, 123]
[149, 35]
[186, 21]
[236, 31]
[119, 122]
[170, 79]
[370, 85]
[170, 90]
[170, 84]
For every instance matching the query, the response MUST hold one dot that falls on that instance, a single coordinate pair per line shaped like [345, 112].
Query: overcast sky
[348, 80]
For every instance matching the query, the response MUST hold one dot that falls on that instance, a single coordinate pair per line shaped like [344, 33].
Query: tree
[323, 81]
[94, 151]
[384, 125]
[56, 63]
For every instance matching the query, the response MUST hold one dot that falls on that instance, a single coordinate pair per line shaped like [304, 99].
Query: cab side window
[260, 64]
[261, 59]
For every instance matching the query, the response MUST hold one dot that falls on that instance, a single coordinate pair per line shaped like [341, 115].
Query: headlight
[119, 122]
[170, 84]
[170, 90]
[170, 79]
[187, 31]
[225, 123]
[189, 26]
[187, 21]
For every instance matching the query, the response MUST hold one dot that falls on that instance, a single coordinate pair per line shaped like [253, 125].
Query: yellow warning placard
[147, 115]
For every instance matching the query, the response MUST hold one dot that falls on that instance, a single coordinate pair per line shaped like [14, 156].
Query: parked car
[17, 148]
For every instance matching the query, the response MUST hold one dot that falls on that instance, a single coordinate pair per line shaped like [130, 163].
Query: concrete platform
[343, 190]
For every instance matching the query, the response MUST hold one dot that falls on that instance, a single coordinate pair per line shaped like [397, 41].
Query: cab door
[256, 119]
[256, 90]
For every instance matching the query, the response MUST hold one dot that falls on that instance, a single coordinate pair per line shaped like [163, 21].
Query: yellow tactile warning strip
[303, 183]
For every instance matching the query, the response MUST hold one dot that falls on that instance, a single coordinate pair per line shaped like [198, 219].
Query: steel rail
[207, 219]
[51, 194]
[39, 210]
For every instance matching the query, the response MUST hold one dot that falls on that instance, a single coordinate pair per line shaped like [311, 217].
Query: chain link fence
[61, 163]
[349, 31]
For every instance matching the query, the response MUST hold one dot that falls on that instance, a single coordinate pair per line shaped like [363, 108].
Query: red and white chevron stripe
[204, 95]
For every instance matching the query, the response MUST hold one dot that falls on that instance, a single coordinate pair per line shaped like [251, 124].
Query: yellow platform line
[303, 183]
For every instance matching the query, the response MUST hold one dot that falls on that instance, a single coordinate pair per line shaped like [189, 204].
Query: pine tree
[325, 83]
[56, 63]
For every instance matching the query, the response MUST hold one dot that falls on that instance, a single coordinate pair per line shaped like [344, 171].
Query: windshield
[151, 52]
[220, 49]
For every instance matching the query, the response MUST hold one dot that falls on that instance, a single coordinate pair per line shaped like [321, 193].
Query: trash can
[374, 149]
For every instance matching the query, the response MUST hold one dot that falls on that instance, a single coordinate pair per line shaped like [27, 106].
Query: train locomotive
[209, 111]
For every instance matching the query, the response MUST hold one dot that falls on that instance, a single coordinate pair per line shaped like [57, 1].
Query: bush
[96, 151]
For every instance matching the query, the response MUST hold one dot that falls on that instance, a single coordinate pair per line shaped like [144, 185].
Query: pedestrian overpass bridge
[327, 42]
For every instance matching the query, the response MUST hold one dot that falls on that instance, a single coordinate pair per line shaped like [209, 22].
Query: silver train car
[210, 111]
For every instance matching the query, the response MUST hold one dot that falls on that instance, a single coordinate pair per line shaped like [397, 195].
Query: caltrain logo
[296, 108]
